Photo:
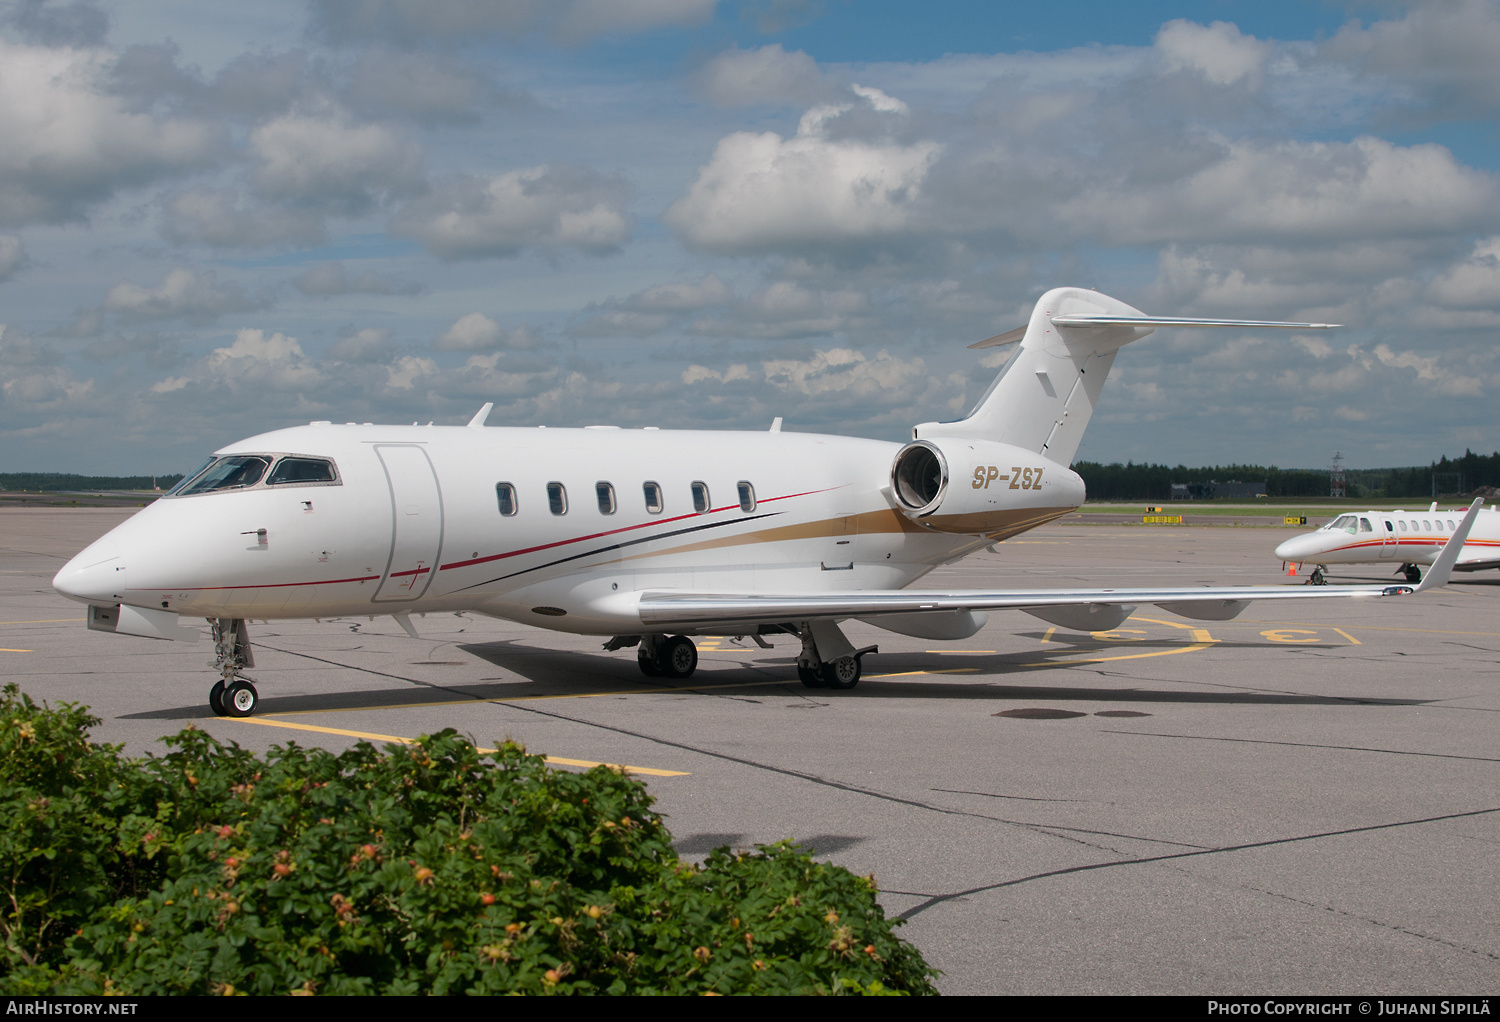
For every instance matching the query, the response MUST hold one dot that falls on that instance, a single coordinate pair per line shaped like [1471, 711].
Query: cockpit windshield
[232, 473]
[189, 478]
[1349, 523]
[242, 471]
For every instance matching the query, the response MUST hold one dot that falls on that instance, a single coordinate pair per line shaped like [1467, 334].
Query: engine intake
[979, 487]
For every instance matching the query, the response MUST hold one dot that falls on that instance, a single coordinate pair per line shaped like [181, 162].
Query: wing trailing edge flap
[1069, 607]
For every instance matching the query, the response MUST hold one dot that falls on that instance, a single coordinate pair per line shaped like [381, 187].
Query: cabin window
[1388, 526]
[231, 473]
[606, 494]
[700, 498]
[557, 499]
[653, 498]
[1426, 525]
[1451, 526]
[505, 494]
[302, 470]
[1403, 526]
[1365, 526]
[747, 496]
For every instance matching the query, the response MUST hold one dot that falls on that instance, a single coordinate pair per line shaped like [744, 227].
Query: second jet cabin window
[653, 498]
[505, 494]
[700, 498]
[747, 496]
[606, 494]
[557, 499]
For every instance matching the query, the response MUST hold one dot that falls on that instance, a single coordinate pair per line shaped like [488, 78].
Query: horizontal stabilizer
[1000, 340]
[1154, 321]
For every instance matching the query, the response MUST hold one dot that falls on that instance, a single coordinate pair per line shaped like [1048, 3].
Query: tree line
[67, 482]
[1150, 482]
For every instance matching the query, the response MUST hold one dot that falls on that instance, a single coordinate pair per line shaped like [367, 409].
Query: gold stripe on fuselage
[996, 525]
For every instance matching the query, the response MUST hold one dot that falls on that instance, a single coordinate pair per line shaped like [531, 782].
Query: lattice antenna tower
[1336, 476]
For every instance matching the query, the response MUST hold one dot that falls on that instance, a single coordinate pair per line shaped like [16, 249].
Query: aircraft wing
[1213, 603]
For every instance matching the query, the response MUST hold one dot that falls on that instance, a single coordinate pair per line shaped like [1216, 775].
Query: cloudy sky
[218, 219]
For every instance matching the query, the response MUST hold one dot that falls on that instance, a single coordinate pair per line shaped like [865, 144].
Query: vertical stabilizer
[1043, 397]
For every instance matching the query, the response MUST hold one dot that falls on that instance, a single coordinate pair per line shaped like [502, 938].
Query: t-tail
[1026, 428]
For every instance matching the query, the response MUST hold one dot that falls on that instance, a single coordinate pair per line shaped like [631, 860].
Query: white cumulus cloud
[549, 208]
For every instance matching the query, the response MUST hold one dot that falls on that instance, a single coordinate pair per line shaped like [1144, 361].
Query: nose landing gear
[233, 695]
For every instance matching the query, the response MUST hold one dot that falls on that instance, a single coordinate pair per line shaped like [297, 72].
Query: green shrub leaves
[427, 868]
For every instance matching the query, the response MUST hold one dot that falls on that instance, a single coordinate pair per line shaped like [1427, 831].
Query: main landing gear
[828, 659]
[1413, 573]
[233, 695]
[662, 657]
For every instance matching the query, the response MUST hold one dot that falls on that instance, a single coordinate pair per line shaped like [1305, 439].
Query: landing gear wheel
[811, 677]
[649, 666]
[240, 699]
[1413, 573]
[216, 699]
[678, 657]
[1316, 578]
[842, 673]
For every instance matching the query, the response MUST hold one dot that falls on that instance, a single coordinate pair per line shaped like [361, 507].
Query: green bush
[415, 869]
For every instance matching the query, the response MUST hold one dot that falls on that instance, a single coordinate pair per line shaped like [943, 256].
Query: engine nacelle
[979, 487]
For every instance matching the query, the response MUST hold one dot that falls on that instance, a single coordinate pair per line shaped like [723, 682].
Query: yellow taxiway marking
[17, 650]
[1129, 656]
[1048, 636]
[1352, 640]
[44, 621]
[960, 651]
[526, 699]
[371, 736]
[908, 674]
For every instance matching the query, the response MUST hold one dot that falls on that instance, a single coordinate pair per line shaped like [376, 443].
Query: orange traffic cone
[1291, 569]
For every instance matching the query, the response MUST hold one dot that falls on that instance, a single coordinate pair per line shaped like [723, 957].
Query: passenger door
[416, 522]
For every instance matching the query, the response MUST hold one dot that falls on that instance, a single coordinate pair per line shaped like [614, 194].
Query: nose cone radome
[1300, 548]
[97, 575]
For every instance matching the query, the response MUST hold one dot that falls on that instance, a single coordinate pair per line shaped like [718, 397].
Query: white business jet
[1405, 538]
[648, 536]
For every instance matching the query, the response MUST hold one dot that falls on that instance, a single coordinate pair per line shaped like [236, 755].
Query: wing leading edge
[1214, 603]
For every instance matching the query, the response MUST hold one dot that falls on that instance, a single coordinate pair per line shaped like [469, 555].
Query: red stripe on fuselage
[616, 532]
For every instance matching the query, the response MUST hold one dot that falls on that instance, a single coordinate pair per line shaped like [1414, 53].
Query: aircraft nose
[1298, 548]
[97, 575]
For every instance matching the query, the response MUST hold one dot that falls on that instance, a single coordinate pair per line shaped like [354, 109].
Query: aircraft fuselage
[415, 521]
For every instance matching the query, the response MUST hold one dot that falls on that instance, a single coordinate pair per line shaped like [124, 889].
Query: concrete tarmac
[1304, 800]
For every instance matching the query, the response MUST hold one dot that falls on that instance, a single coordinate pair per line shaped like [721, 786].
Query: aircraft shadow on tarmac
[546, 674]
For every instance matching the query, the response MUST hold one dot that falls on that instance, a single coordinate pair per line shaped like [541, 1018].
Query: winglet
[484, 413]
[1437, 575]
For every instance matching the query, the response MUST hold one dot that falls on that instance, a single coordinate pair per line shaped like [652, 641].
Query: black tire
[240, 699]
[649, 666]
[842, 673]
[811, 677]
[216, 700]
[678, 657]
[1413, 574]
[1316, 578]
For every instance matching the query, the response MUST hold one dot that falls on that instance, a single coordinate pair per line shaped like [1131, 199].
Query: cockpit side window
[302, 470]
[232, 473]
[1346, 522]
[1365, 526]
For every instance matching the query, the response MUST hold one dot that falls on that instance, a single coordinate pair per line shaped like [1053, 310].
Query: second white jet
[1410, 539]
